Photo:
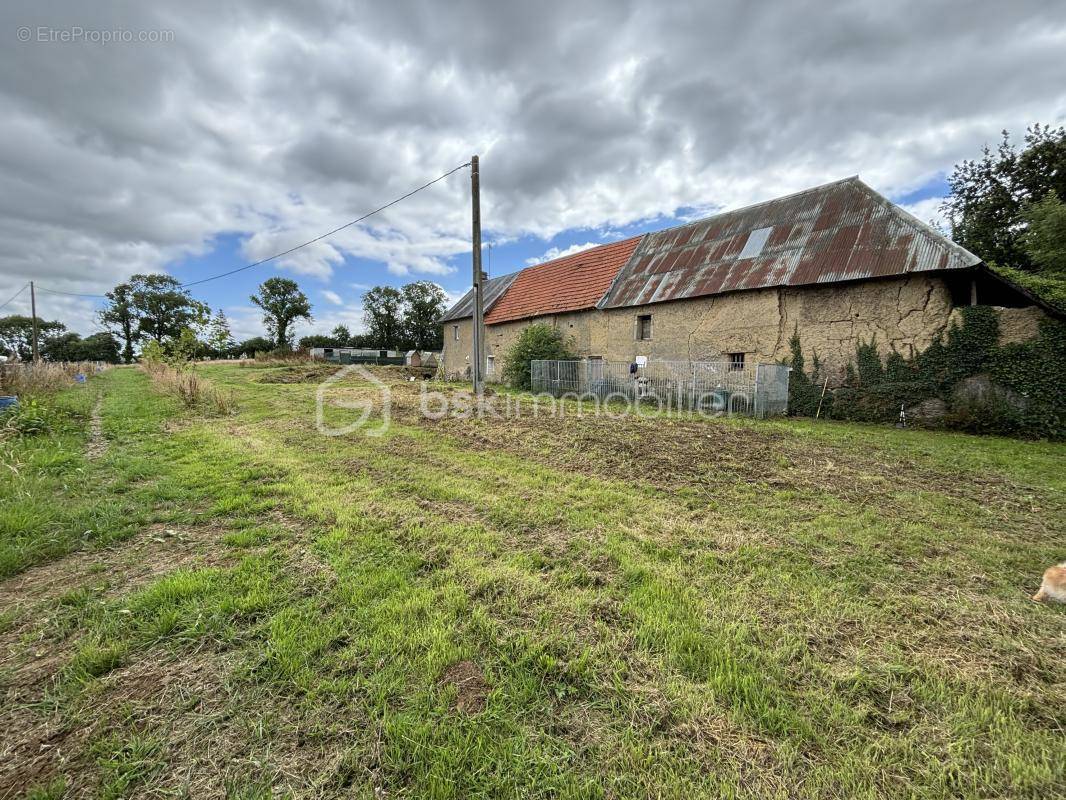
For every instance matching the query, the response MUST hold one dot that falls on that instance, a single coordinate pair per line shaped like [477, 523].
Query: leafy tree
[382, 307]
[989, 195]
[162, 308]
[341, 336]
[535, 342]
[424, 305]
[257, 344]
[1044, 240]
[283, 303]
[316, 340]
[16, 335]
[219, 337]
[71, 347]
[100, 346]
[120, 316]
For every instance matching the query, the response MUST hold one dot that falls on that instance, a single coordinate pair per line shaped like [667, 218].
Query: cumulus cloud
[332, 297]
[928, 211]
[271, 121]
[554, 252]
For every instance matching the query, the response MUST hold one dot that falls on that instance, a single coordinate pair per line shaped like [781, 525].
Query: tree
[257, 344]
[16, 335]
[341, 336]
[283, 303]
[100, 346]
[988, 196]
[219, 338]
[121, 317]
[535, 342]
[163, 309]
[382, 313]
[1044, 240]
[424, 305]
[316, 340]
[71, 347]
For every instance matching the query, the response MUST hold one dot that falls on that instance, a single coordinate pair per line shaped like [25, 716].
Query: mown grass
[637, 635]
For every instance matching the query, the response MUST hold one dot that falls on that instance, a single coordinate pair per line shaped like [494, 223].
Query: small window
[644, 327]
[455, 332]
[736, 361]
[755, 243]
[490, 369]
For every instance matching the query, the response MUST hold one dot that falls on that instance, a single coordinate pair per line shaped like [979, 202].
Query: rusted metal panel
[842, 231]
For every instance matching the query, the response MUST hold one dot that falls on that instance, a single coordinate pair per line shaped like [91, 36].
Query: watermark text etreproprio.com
[76, 34]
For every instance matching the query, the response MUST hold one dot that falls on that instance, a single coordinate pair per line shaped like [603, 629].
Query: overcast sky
[234, 130]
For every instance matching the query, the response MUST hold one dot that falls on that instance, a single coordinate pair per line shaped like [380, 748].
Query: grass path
[479, 609]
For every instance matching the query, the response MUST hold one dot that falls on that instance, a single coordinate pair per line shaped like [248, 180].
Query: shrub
[537, 342]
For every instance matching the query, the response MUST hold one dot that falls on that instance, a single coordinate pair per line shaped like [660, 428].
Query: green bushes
[964, 380]
[537, 342]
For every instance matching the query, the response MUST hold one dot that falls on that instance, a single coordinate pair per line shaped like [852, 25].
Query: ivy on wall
[964, 380]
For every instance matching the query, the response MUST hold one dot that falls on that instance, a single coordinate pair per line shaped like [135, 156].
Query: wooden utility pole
[477, 359]
[33, 311]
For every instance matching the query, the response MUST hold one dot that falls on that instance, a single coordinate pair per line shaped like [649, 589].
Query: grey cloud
[277, 119]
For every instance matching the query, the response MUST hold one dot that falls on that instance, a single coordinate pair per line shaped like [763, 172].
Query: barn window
[455, 332]
[490, 369]
[644, 327]
[755, 243]
[736, 361]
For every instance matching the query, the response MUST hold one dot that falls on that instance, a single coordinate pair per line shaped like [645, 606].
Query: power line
[68, 294]
[329, 233]
[283, 252]
[16, 294]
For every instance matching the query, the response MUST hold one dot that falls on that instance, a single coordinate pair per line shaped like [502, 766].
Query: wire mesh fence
[724, 387]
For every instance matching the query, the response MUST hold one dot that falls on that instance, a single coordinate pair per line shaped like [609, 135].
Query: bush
[537, 342]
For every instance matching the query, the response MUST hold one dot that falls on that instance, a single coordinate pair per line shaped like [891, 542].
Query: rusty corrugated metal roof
[570, 283]
[494, 288]
[841, 231]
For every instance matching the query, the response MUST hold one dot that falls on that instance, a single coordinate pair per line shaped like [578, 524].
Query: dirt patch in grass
[470, 684]
[303, 373]
[97, 445]
[116, 569]
[705, 453]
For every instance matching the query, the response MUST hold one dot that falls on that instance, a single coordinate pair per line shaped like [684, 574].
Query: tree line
[154, 310]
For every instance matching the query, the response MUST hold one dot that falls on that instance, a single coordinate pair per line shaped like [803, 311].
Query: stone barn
[838, 264]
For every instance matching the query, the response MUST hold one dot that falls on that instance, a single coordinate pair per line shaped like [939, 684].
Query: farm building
[839, 264]
[357, 355]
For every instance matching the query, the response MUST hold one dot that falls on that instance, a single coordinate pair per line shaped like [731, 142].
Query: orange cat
[1053, 587]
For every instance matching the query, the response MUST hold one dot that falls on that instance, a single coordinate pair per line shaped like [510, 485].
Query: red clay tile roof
[565, 284]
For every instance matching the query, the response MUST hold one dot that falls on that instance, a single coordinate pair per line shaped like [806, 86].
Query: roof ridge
[818, 188]
[910, 219]
[580, 252]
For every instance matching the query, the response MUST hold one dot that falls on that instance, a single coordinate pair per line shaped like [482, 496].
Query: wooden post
[478, 356]
[825, 385]
[33, 312]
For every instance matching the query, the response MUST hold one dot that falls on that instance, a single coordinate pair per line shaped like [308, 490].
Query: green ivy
[1021, 391]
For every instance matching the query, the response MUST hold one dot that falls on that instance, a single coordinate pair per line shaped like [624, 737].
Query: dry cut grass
[43, 377]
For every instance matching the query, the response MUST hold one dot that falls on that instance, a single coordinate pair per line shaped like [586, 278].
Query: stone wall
[905, 314]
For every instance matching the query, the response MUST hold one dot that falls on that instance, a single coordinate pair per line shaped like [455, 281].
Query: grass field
[237, 606]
